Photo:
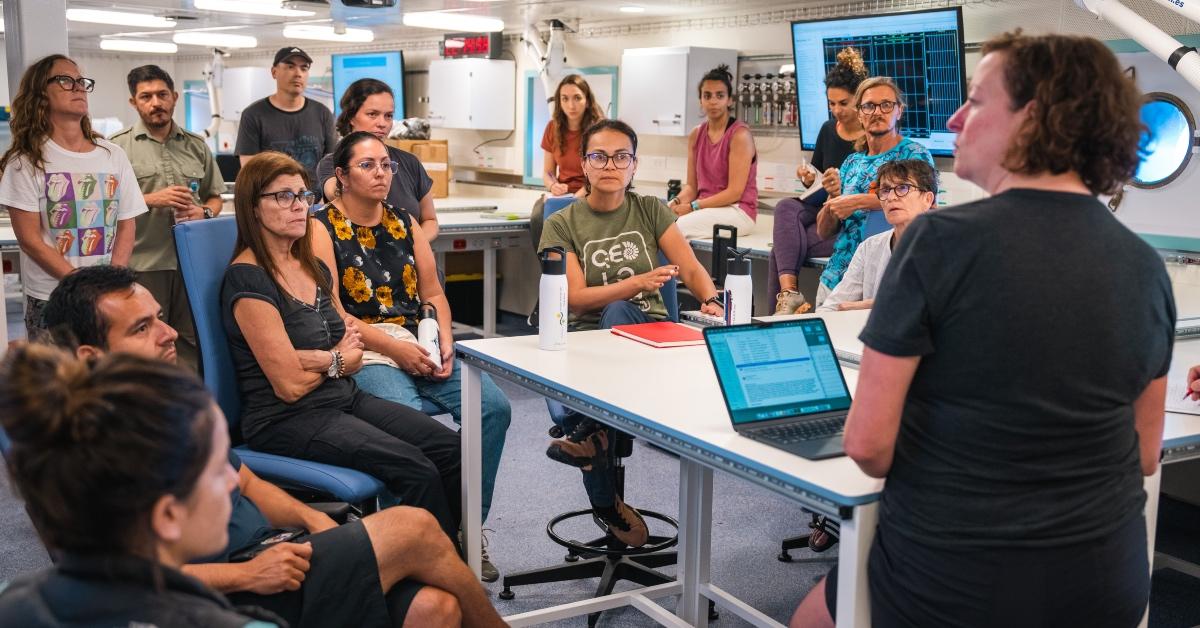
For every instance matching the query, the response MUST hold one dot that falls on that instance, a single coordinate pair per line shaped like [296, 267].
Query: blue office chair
[5, 444]
[205, 248]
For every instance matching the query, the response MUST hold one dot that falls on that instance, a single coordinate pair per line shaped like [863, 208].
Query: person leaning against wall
[722, 165]
[180, 181]
[1017, 357]
[72, 195]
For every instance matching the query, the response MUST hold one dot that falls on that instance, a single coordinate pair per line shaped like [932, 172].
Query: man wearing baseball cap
[286, 121]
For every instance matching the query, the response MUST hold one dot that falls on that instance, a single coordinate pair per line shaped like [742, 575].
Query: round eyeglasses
[369, 167]
[869, 107]
[900, 191]
[620, 161]
[286, 198]
[70, 83]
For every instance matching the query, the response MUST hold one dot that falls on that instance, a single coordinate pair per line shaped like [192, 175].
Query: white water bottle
[552, 300]
[428, 333]
[739, 289]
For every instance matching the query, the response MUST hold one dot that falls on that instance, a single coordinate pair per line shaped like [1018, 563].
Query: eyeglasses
[869, 107]
[286, 198]
[620, 161]
[369, 166]
[901, 190]
[70, 83]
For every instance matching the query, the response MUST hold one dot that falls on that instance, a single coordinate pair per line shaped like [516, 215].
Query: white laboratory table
[695, 426]
[462, 226]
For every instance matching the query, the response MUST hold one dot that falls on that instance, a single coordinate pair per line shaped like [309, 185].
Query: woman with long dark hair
[369, 105]
[71, 194]
[575, 109]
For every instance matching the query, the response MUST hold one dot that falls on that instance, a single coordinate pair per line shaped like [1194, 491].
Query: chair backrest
[556, 203]
[875, 224]
[205, 248]
[5, 444]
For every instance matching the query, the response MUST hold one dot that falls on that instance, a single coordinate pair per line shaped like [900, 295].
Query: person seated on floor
[395, 564]
[794, 234]
[293, 351]
[384, 271]
[722, 165]
[124, 473]
[906, 189]
[612, 238]
[368, 105]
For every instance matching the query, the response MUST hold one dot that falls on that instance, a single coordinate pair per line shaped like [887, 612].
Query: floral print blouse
[375, 266]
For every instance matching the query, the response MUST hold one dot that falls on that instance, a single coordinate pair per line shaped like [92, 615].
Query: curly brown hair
[592, 113]
[1086, 112]
[30, 123]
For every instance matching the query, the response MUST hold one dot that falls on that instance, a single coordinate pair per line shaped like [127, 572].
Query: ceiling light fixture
[139, 45]
[214, 40]
[327, 33]
[119, 18]
[633, 9]
[453, 22]
[252, 7]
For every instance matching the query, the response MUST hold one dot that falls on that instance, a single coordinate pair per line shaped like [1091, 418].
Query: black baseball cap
[291, 51]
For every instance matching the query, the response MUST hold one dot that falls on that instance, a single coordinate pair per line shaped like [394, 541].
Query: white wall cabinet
[658, 86]
[473, 94]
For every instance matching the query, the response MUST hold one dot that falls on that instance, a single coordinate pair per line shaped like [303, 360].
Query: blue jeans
[599, 483]
[393, 384]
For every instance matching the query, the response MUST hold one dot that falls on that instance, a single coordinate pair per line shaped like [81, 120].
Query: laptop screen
[777, 370]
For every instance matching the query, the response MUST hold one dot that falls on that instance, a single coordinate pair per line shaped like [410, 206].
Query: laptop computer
[782, 384]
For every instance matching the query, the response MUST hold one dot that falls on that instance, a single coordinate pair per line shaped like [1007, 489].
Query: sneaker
[585, 447]
[487, 570]
[624, 523]
[791, 302]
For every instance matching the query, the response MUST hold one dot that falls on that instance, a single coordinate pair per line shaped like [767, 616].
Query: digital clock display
[464, 45]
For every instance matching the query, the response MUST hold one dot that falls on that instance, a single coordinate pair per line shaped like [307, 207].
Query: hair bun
[43, 399]
[724, 69]
[851, 59]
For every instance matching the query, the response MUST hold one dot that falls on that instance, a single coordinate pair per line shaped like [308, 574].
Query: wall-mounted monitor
[921, 50]
[384, 66]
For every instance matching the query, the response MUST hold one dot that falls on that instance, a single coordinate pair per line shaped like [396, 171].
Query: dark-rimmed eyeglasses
[286, 198]
[900, 191]
[70, 83]
[869, 107]
[369, 167]
[620, 161]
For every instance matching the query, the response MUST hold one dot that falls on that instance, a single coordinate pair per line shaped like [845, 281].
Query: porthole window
[1167, 142]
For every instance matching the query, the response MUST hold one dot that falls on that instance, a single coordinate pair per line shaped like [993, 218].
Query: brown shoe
[791, 302]
[591, 451]
[625, 523]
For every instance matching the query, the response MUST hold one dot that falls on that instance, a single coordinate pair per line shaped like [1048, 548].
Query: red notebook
[661, 334]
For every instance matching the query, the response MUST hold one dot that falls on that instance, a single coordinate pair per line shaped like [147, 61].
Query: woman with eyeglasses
[294, 351]
[72, 195]
[383, 271]
[906, 188]
[613, 239]
[880, 104]
[369, 105]
[722, 165]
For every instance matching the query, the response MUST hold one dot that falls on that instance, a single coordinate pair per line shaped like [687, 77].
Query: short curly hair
[1086, 112]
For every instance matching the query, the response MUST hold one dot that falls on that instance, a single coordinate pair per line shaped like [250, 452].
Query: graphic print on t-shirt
[81, 211]
[305, 149]
[609, 260]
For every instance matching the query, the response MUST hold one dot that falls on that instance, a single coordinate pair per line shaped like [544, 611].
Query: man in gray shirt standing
[286, 121]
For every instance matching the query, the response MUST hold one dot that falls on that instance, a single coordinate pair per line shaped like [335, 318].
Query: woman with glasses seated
[124, 470]
[612, 238]
[906, 189]
[384, 272]
[722, 165]
[369, 105]
[71, 194]
[880, 103]
[294, 351]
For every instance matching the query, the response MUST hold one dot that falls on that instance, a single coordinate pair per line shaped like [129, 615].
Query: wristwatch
[336, 367]
[714, 300]
[208, 212]
[696, 205]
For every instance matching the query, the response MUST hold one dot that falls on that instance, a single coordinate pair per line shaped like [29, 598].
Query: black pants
[1102, 583]
[417, 458]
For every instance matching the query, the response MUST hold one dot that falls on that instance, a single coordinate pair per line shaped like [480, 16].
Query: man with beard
[180, 181]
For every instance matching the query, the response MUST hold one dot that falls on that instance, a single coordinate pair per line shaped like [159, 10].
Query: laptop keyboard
[807, 430]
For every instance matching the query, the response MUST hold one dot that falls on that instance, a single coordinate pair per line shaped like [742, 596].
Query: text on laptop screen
[778, 371]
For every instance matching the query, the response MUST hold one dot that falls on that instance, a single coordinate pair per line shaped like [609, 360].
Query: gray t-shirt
[306, 135]
[410, 184]
[613, 246]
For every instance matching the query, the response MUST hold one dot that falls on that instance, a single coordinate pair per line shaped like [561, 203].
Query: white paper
[1176, 385]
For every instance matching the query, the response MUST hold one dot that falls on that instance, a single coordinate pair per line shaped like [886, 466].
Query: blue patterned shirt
[858, 172]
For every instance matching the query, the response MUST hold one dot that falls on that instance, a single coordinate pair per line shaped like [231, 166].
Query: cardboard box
[435, 156]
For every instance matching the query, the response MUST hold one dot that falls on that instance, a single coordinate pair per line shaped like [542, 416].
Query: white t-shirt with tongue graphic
[80, 197]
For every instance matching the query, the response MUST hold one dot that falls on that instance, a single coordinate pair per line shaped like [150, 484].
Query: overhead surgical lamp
[1183, 59]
